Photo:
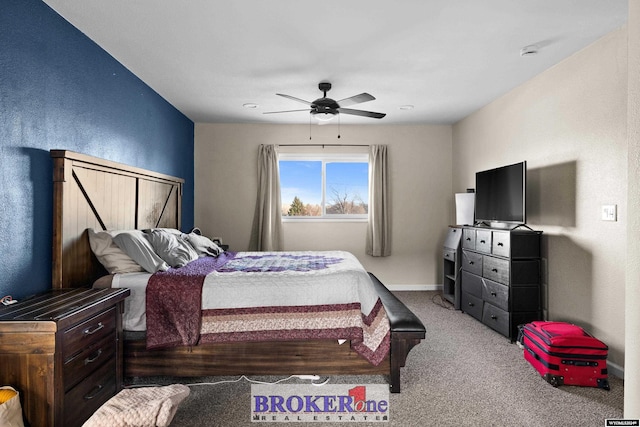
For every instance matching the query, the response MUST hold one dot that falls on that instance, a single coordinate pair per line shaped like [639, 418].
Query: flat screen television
[501, 195]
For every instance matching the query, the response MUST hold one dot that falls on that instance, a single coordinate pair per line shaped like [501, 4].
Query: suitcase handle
[579, 363]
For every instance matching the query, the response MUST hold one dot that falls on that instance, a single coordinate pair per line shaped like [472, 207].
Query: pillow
[104, 282]
[140, 407]
[136, 245]
[173, 231]
[203, 245]
[109, 254]
[172, 248]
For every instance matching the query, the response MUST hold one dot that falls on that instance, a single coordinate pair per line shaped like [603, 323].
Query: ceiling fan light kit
[325, 109]
[324, 116]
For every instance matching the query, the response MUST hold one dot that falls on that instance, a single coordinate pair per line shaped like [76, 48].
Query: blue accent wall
[59, 90]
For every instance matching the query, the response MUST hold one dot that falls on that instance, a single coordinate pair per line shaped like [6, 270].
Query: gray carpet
[462, 374]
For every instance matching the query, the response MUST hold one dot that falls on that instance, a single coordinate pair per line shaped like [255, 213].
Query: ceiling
[445, 58]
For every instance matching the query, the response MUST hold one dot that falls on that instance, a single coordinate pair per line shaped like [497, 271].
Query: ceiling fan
[325, 109]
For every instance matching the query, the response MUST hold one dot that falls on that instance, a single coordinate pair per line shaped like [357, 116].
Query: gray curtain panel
[378, 228]
[267, 223]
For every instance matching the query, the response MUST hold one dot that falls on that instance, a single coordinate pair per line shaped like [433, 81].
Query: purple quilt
[244, 301]
[173, 302]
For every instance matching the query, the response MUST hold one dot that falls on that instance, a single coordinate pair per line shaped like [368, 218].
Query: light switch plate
[609, 212]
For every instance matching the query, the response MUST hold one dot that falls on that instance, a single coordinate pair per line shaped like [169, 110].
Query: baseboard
[407, 287]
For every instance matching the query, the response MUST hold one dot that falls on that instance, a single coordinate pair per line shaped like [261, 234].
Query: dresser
[501, 278]
[62, 350]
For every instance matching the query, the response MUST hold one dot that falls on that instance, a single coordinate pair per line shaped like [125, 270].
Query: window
[327, 186]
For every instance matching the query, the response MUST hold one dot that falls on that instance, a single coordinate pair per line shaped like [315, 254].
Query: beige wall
[569, 124]
[421, 193]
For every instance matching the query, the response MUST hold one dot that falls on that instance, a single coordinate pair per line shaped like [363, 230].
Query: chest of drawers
[62, 350]
[500, 279]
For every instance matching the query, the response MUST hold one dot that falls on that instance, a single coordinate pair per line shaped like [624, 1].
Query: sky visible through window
[304, 179]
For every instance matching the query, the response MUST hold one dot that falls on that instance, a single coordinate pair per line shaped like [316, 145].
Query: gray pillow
[203, 245]
[172, 248]
[136, 245]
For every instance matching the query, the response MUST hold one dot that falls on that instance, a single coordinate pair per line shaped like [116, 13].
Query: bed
[96, 194]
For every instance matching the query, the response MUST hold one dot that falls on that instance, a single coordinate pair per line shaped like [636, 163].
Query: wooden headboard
[89, 192]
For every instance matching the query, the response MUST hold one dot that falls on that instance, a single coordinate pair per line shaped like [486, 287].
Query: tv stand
[500, 280]
[524, 226]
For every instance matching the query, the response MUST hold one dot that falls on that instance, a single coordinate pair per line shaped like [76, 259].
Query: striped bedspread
[268, 296]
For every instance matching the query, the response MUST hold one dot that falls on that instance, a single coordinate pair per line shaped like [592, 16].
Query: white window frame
[327, 158]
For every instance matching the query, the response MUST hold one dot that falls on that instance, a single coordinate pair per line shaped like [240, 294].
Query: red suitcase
[565, 354]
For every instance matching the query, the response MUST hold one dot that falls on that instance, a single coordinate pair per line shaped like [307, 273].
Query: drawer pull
[94, 358]
[493, 294]
[482, 241]
[495, 270]
[94, 392]
[468, 239]
[500, 244]
[446, 255]
[494, 317]
[471, 262]
[90, 331]
[471, 304]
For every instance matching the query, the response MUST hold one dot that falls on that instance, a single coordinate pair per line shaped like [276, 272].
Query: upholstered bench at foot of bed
[406, 331]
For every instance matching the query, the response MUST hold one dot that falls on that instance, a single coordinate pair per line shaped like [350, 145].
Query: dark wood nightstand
[62, 350]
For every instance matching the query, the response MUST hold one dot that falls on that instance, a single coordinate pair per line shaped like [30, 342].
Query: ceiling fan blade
[287, 111]
[294, 98]
[356, 99]
[361, 113]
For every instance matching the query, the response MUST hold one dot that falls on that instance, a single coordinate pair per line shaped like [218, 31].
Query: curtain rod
[323, 145]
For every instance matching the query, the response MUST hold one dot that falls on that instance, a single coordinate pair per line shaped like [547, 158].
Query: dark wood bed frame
[94, 193]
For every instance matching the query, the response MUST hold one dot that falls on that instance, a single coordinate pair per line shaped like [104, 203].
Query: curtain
[378, 227]
[267, 223]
